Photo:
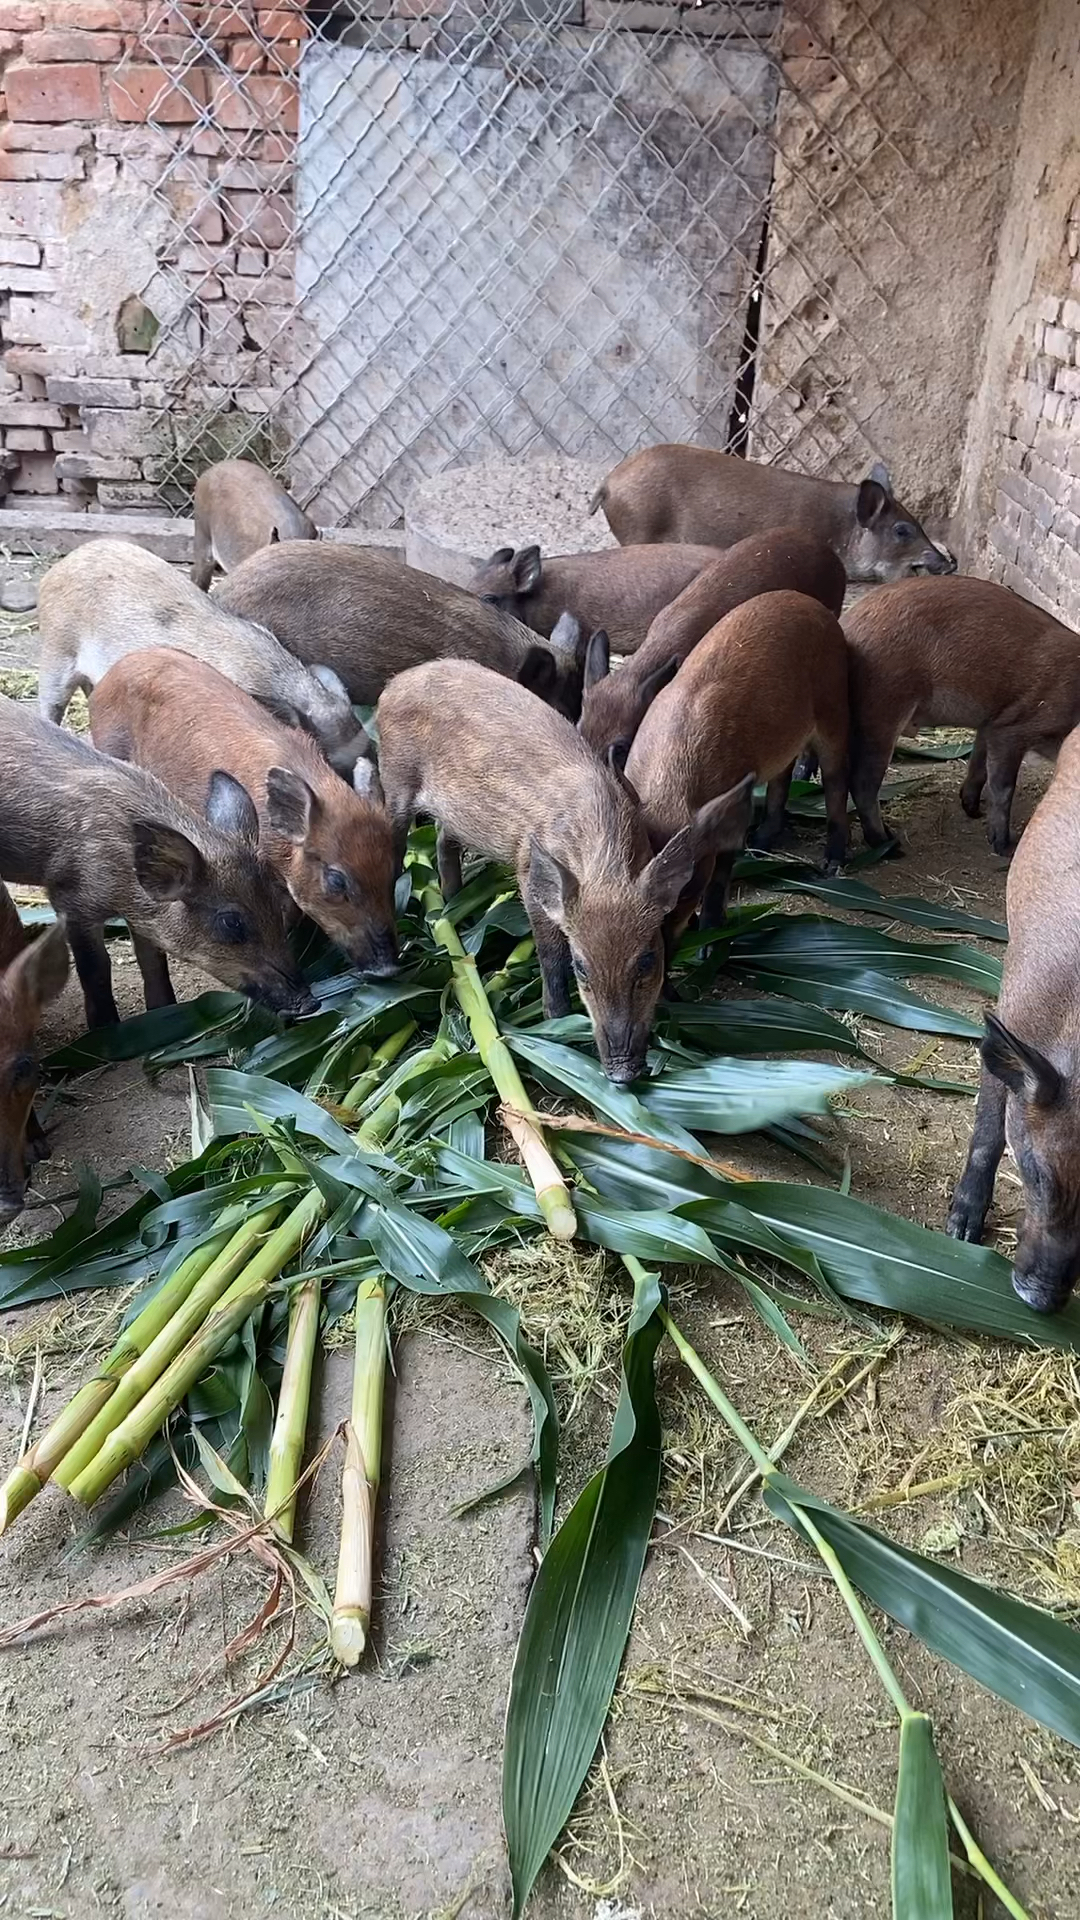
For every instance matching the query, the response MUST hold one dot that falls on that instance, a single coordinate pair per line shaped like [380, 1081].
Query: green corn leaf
[921, 1876]
[933, 749]
[865, 991]
[565, 1070]
[807, 942]
[854, 896]
[881, 1260]
[741, 1096]
[1017, 1651]
[214, 1013]
[578, 1616]
[754, 1026]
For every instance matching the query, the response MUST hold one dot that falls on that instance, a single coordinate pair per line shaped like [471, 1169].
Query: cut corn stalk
[41, 1461]
[294, 1397]
[247, 1292]
[383, 1057]
[523, 1122]
[360, 1477]
[168, 1341]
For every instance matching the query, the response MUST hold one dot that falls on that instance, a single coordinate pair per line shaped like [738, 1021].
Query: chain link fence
[390, 237]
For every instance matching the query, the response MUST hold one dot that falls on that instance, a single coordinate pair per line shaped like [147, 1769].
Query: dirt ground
[377, 1794]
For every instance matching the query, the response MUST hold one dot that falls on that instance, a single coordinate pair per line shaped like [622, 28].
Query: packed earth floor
[378, 1795]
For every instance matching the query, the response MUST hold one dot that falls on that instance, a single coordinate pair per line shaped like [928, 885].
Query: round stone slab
[463, 515]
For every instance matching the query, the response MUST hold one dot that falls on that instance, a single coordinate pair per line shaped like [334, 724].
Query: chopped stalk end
[20, 1487]
[348, 1636]
[557, 1211]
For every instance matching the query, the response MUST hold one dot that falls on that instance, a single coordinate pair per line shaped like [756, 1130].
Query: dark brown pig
[31, 974]
[770, 677]
[329, 842]
[615, 703]
[502, 774]
[958, 653]
[371, 617]
[692, 494]
[239, 508]
[104, 838]
[621, 589]
[1029, 1089]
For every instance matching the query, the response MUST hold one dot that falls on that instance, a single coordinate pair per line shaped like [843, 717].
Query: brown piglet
[958, 653]
[620, 589]
[692, 494]
[1029, 1088]
[104, 838]
[615, 703]
[239, 507]
[768, 679]
[329, 842]
[31, 974]
[503, 774]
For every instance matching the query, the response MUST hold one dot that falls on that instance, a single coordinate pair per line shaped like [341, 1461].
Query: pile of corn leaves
[428, 1205]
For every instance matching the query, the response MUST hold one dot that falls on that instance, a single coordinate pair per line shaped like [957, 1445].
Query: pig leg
[772, 826]
[37, 1145]
[202, 566]
[56, 684]
[448, 855]
[975, 778]
[553, 953]
[975, 1188]
[154, 967]
[714, 903]
[869, 765]
[834, 779]
[94, 968]
[1004, 754]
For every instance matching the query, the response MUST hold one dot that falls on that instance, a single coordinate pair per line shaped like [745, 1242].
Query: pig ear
[566, 636]
[669, 873]
[168, 866]
[332, 682]
[721, 825]
[656, 681]
[501, 557]
[872, 502]
[617, 755]
[538, 672]
[552, 887]
[1024, 1070]
[880, 472]
[597, 659]
[289, 715]
[38, 973]
[366, 782]
[290, 803]
[526, 568]
[274, 537]
[230, 808]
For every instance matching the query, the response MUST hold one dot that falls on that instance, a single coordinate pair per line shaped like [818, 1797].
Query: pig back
[364, 613]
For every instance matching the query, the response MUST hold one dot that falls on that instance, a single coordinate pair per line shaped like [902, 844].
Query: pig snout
[935, 559]
[1046, 1283]
[376, 953]
[622, 1049]
[281, 993]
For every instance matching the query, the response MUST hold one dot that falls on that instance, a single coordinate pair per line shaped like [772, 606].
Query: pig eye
[645, 964]
[335, 884]
[902, 531]
[23, 1073]
[581, 971]
[231, 927]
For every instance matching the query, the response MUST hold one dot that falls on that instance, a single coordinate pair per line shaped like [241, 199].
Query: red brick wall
[134, 165]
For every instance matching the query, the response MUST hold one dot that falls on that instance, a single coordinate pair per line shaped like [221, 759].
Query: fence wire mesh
[391, 237]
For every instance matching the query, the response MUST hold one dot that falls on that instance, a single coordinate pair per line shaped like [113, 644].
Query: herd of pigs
[230, 787]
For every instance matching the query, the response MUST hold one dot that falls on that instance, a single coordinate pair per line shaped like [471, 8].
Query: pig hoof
[971, 803]
[1001, 844]
[964, 1222]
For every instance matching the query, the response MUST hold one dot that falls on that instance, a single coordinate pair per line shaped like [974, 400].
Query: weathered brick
[33, 322]
[266, 218]
[286, 23]
[80, 392]
[228, 20]
[71, 43]
[250, 261]
[29, 413]
[1058, 343]
[42, 166]
[1070, 315]
[261, 101]
[69, 440]
[146, 93]
[28, 136]
[128, 493]
[27, 440]
[17, 18]
[53, 93]
[27, 280]
[246, 56]
[1049, 309]
[98, 16]
[19, 253]
[127, 432]
[36, 474]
